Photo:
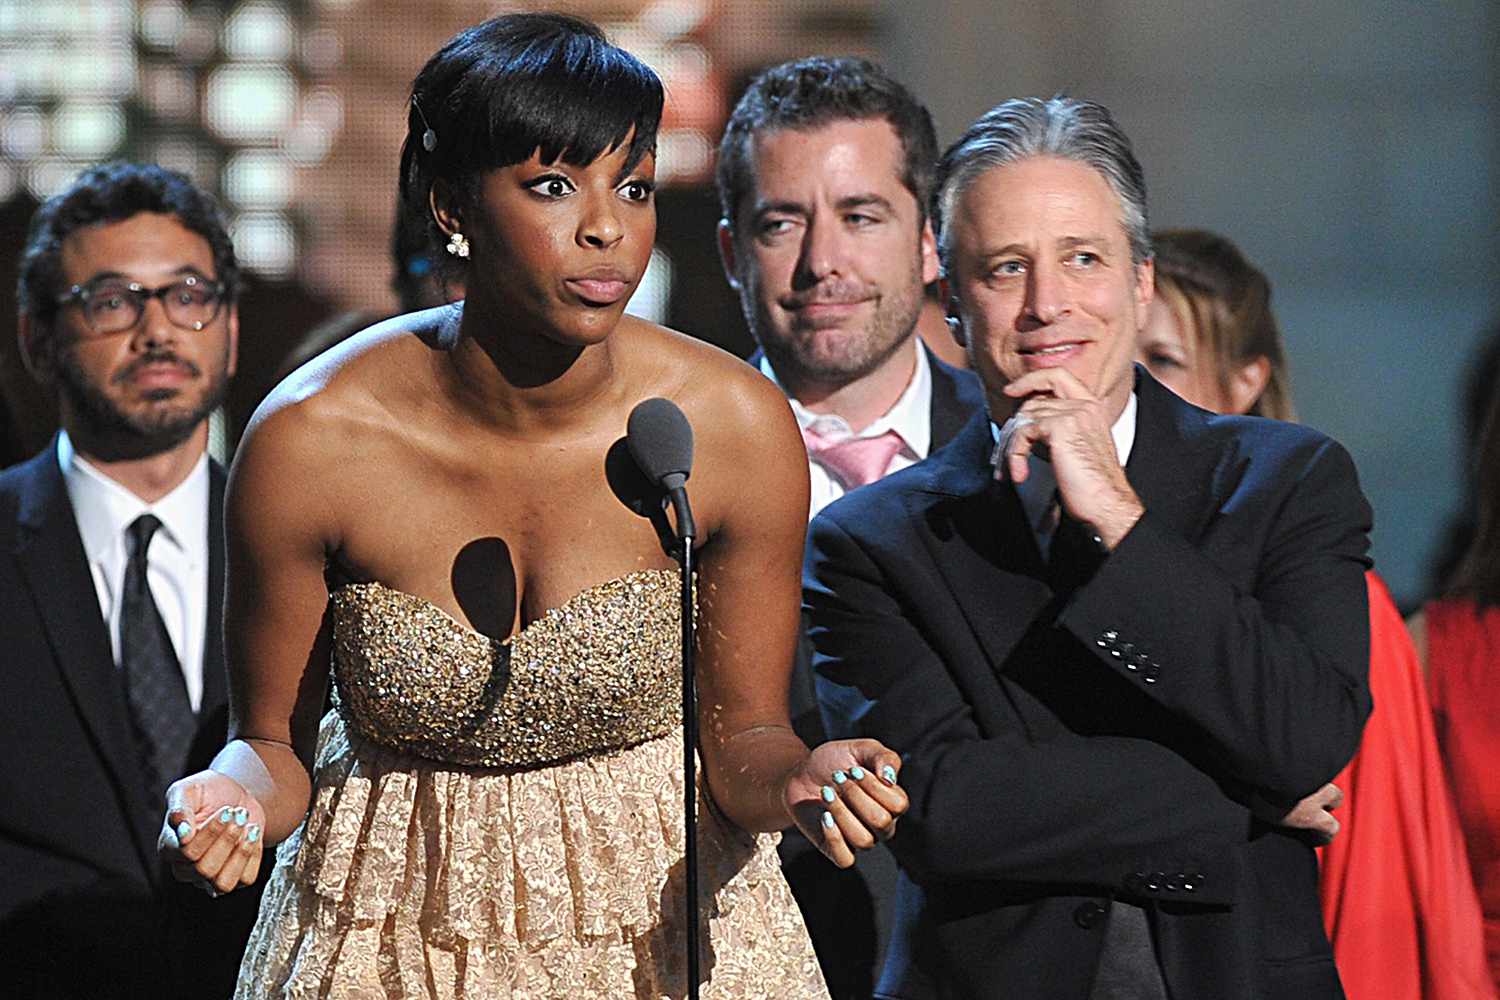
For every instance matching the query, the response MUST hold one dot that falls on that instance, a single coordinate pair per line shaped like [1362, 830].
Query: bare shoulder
[748, 453]
[722, 396]
[335, 408]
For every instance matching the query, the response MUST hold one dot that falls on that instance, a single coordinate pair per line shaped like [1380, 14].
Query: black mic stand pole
[686, 533]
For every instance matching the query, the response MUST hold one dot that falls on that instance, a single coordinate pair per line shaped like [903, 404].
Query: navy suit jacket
[1063, 750]
[86, 909]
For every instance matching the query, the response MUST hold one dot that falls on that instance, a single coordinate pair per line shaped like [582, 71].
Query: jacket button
[1089, 915]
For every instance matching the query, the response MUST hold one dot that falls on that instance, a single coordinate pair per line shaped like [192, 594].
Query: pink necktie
[854, 461]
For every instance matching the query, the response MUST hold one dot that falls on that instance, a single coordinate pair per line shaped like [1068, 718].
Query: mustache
[156, 358]
[836, 292]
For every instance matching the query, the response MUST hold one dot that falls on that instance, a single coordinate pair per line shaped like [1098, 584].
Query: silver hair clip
[429, 137]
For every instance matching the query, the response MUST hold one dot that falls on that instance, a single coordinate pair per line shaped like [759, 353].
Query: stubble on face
[163, 418]
[832, 252]
[828, 351]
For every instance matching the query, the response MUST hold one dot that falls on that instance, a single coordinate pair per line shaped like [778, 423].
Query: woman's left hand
[845, 797]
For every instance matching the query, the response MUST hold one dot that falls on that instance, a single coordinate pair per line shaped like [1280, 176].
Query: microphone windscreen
[661, 440]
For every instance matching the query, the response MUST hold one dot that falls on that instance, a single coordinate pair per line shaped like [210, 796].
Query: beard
[168, 418]
[808, 355]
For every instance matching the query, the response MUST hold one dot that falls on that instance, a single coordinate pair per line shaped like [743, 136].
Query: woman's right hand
[212, 832]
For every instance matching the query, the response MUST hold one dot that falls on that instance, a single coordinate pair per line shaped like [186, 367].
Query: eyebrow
[628, 172]
[182, 271]
[1066, 243]
[862, 200]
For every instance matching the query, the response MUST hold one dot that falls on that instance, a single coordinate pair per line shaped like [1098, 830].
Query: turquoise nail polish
[253, 834]
[889, 773]
[226, 814]
[839, 778]
[827, 794]
[857, 773]
[828, 820]
[184, 831]
[241, 815]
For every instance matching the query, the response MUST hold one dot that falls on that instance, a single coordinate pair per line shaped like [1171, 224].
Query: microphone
[661, 442]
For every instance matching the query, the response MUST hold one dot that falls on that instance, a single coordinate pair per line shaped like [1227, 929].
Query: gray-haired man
[1105, 629]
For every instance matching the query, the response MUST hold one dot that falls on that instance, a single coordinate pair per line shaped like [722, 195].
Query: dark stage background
[1350, 148]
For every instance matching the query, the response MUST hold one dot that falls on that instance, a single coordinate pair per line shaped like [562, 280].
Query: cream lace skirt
[410, 879]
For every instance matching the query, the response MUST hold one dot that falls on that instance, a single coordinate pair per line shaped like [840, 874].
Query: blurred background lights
[321, 50]
[654, 294]
[100, 69]
[674, 17]
[265, 242]
[170, 91]
[259, 30]
[87, 131]
[163, 22]
[200, 37]
[23, 133]
[681, 153]
[250, 102]
[308, 142]
[684, 59]
[48, 175]
[325, 107]
[186, 157]
[258, 179]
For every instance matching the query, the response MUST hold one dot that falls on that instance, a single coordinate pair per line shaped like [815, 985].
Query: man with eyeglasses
[111, 586]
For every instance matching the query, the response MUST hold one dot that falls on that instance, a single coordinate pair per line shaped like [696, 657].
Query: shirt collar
[104, 508]
[909, 416]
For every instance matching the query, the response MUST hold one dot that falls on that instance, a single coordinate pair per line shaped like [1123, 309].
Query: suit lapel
[953, 401]
[52, 562]
[1168, 470]
[976, 533]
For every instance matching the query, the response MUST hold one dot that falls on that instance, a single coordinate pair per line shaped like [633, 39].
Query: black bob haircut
[108, 193]
[520, 84]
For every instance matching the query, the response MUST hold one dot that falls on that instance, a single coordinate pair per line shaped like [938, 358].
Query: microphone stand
[686, 532]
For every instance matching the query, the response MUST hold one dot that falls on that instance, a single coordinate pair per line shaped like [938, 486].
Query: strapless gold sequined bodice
[599, 673]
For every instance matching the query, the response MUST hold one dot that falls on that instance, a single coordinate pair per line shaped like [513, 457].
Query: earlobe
[440, 204]
[234, 340]
[1145, 287]
[951, 314]
[727, 257]
[1248, 382]
[929, 254]
[36, 362]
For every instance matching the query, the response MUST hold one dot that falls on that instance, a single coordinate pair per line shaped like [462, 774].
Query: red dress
[1398, 898]
[1463, 674]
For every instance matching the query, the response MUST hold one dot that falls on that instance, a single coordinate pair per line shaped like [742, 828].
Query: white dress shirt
[910, 417]
[177, 559]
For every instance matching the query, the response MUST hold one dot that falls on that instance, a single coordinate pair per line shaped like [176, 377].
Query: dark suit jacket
[86, 909]
[848, 912]
[1064, 751]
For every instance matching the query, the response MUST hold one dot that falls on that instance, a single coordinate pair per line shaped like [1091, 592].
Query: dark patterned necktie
[160, 710]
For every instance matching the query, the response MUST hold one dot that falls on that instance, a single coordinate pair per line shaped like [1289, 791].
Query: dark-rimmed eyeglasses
[111, 305]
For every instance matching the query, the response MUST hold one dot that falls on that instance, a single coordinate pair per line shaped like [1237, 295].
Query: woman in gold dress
[494, 807]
